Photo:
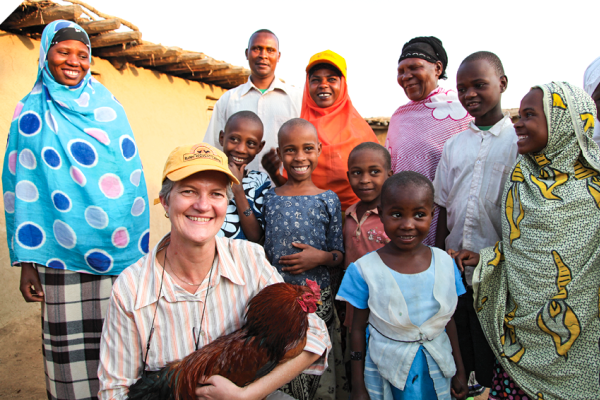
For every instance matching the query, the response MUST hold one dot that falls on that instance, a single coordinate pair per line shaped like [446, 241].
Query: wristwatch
[248, 212]
[335, 256]
[356, 356]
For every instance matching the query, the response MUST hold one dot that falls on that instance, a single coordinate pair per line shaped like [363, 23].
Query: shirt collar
[351, 211]
[227, 265]
[494, 130]
[276, 84]
[152, 274]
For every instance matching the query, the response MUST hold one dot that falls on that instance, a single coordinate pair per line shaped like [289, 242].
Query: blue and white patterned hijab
[74, 191]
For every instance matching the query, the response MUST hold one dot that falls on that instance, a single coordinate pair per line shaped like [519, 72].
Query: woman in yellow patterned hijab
[537, 291]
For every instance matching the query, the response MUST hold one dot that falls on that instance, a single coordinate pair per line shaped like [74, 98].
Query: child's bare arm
[310, 258]
[460, 387]
[358, 345]
[249, 223]
[442, 229]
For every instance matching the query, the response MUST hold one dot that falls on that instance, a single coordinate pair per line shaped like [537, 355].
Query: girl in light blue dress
[406, 292]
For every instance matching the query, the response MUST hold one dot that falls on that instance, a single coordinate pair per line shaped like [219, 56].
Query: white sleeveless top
[394, 339]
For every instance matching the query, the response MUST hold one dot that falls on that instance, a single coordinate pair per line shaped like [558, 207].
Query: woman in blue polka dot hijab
[75, 203]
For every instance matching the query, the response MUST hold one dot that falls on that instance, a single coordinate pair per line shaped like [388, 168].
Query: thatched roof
[123, 48]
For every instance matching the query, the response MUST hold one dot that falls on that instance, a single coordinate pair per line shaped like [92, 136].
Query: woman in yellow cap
[193, 287]
[327, 105]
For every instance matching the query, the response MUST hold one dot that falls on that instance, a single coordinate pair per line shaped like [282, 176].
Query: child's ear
[261, 146]
[221, 137]
[348, 175]
[503, 83]
[390, 173]
[319, 148]
[379, 211]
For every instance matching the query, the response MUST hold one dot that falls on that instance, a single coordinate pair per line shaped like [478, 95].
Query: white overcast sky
[537, 41]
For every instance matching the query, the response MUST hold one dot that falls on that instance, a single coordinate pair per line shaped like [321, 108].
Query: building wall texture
[164, 112]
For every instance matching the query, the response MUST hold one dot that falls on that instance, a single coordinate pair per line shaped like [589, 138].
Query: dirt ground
[21, 361]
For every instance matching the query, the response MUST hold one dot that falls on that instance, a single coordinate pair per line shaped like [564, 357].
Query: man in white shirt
[270, 98]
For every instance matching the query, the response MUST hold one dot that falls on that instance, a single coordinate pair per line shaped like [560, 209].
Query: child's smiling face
[242, 141]
[406, 214]
[299, 151]
[367, 172]
[532, 127]
[480, 89]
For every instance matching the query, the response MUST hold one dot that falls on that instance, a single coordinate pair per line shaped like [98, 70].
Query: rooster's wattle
[274, 332]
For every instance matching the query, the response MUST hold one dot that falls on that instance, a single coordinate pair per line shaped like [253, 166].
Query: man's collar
[276, 84]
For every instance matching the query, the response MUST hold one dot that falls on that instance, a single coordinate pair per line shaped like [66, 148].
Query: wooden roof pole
[105, 16]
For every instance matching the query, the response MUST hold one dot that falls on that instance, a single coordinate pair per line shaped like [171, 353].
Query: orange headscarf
[341, 129]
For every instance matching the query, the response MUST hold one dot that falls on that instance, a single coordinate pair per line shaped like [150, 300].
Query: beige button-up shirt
[280, 103]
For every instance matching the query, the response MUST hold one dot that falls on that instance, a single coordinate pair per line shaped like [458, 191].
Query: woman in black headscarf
[419, 129]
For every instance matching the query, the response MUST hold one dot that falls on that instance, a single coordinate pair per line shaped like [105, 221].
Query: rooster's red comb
[314, 286]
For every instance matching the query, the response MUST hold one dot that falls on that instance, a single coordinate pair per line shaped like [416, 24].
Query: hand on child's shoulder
[452, 253]
[466, 258]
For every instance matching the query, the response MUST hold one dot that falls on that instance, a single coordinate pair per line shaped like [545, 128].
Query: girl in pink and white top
[419, 129]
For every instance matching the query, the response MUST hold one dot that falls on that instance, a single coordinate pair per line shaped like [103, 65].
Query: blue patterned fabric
[314, 220]
[74, 191]
[255, 185]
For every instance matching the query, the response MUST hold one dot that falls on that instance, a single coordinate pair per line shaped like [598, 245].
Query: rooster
[274, 332]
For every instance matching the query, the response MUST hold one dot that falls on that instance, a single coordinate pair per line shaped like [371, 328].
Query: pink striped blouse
[241, 270]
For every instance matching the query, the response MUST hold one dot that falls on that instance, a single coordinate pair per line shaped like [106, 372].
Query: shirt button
[478, 162]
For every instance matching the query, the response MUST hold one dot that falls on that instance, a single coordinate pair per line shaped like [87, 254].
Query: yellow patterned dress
[537, 291]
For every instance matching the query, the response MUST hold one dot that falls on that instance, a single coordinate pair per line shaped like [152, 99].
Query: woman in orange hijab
[327, 106]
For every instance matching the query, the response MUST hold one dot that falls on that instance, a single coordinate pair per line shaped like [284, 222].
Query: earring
[166, 215]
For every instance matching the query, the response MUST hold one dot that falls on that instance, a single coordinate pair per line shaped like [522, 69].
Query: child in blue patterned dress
[242, 141]
[407, 293]
[303, 238]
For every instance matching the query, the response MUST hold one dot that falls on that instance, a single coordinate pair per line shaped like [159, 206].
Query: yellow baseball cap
[189, 159]
[328, 57]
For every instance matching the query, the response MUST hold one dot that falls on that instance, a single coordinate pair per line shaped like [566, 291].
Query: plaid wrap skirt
[72, 317]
